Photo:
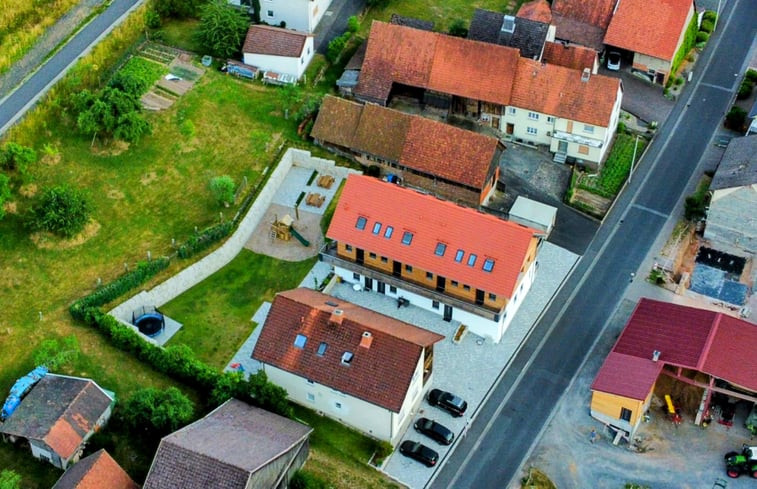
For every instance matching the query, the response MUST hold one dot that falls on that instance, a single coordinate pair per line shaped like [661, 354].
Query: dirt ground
[683, 457]
[308, 225]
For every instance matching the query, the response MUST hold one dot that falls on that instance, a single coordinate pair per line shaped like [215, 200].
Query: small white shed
[533, 214]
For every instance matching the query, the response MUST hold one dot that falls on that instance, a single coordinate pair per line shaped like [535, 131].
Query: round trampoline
[150, 324]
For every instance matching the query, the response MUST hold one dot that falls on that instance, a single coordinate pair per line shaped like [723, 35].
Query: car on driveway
[447, 401]
[435, 431]
[420, 452]
[613, 61]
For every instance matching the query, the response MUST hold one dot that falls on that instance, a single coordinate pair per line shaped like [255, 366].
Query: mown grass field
[443, 14]
[22, 22]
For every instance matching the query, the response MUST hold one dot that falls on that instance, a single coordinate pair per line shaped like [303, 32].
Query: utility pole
[633, 159]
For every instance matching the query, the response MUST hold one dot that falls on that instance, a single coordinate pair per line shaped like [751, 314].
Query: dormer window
[440, 249]
[361, 222]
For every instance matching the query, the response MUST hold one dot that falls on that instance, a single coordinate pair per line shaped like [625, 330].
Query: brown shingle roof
[60, 411]
[570, 56]
[578, 32]
[538, 10]
[415, 142]
[97, 471]
[592, 12]
[275, 41]
[223, 448]
[649, 28]
[559, 91]
[380, 374]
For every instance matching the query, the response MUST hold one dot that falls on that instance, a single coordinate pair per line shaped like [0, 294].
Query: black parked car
[419, 452]
[434, 430]
[447, 401]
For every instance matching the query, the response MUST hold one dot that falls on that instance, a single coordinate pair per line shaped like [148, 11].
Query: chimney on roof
[366, 340]
[336, 317]
[586, 75]
[508, 24]
[656, 355]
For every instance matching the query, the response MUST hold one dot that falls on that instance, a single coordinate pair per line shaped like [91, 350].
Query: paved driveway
[642, 99]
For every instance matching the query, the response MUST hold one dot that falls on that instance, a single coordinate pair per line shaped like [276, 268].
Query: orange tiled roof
[538, 10]
[422, 144]
[471, 69]
[559, 91]
[649, 28]
[382, 368]
[432, 221]
[570, 56]
[592, 12]
[97, 471]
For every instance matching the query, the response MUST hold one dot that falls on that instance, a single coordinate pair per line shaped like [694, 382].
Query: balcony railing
[328, 254]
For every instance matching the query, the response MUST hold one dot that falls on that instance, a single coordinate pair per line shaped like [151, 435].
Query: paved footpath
[17, 103]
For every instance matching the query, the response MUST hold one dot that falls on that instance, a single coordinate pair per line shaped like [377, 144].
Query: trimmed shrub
[678, 80]
[222, 189]
[710, 15]
[702, 37]
[735, 118]
[61, 210]
[205, 239]
[707, 26]
[622, 128]
[745, 89]
[751, 75]
[353, 24]
[336, 46]
[159, 411]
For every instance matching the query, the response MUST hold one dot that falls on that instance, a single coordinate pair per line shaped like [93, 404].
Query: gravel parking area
[471, 367]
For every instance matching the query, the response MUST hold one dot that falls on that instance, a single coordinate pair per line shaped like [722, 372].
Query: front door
[396, 268]
[368, 283]
[479, 297]
[562, 146]
[510, 128]
[447, 312]
[495, 122]
[380, 287]
[441, 283]
[359, 256]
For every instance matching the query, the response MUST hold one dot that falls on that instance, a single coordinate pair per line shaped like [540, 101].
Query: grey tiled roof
[222, 449]
[738, 167]
[528, 36]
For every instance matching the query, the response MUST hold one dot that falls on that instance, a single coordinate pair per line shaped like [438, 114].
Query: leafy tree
[5, 193]
[223, 189]
[14, 156]
[9, 479]
[178, 9]
[157, 410]
[222, 28]
[54, 355]
[458, 28]
[353, 24]
[336, 46]
[62, 210]
[113, 112]
[291, 96]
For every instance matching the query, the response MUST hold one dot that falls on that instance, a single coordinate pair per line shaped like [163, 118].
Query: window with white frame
[511, 110]
[550, 119]
[531, 130]
[533, 116]
[588, 129]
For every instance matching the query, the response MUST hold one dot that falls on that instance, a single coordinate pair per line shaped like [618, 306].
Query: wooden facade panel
[611, 405]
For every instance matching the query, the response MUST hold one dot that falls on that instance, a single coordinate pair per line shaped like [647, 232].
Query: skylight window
[347, 357]
[322, 348]
[471, 259]
[440, 249]
[377, 228]
[361, 222]
[300, 341]
[488, 265]
[407, 238]
[388, 232]
[459, 256]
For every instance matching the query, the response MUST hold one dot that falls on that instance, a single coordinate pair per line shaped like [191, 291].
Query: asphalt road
[511, 421]
[16, 104]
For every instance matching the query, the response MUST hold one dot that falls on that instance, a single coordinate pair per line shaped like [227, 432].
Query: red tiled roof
[274, 41]
[380, 374]
[415, 142]
[559, 91]
[649, 28]
[594, 12]
[570, 56]
[697, 339]
[613, 376]
[538, 10]
[63, 438]
[432, 221]
[97, 471]
[472, 69]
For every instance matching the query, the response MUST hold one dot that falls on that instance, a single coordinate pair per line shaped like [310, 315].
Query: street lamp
[633, 159]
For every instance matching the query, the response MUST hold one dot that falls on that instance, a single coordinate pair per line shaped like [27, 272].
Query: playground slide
[299, 237]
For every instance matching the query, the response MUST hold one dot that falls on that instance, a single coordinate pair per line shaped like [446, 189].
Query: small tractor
[741, 463]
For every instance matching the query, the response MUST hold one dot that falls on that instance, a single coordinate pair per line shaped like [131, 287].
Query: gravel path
[46, 43]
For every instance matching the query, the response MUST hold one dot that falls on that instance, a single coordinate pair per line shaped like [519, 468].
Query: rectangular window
[300, 340]
[454, 283]
[429, 275]
[310, 382]
[372, 255]
[466, 288]
[492, 297]
[355, 276]
[338, 405]
[588, 129]
[511, 110]
[392, 289]
[625, 414]
[408, 268]
[407, 238]
[377, 228]
[311, 397]
[440, 249]
[388, 232]
[348, 247]
[384, 259]
[533, 116]
[550, 119]
[583, 149]
[270, 13]
[531, 130]
[322, 348]
[435, 304]
[361, 222]
[471, 259]
[459, 256]
[488, 265]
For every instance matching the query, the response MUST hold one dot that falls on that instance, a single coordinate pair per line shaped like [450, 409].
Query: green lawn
[180, 34]
[217, 312]
[443, 14]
